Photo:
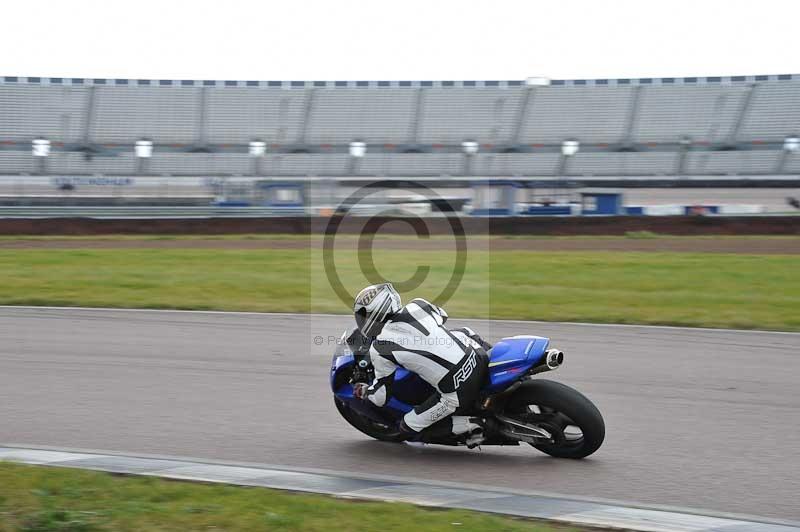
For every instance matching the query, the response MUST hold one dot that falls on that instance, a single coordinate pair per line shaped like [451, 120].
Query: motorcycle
[515, 407]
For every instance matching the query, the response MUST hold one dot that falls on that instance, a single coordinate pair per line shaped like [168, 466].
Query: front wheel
[576, 424]
[367, 426]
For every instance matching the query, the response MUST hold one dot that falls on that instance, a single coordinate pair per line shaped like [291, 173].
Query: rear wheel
[576, 424]
[369, 427]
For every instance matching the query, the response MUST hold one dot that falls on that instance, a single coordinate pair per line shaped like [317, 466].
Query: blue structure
[548, 210]
[601, 203]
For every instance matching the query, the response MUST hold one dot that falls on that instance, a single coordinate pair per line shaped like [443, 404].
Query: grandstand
[672, 127]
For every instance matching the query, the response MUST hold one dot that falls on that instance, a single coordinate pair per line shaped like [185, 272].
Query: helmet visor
[373, 321]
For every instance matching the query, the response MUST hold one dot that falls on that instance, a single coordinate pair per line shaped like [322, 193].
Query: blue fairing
[345, 391]
[509, 360]
[340, 362]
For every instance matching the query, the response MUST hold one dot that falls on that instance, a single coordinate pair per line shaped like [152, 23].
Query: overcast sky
[402, 39]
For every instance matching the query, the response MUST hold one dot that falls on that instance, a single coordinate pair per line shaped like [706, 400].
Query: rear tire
[567, 401]
[367, 426]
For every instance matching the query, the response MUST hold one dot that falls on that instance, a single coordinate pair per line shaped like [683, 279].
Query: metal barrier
[149, 212]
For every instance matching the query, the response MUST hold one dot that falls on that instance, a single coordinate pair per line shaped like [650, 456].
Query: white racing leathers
[454, 362]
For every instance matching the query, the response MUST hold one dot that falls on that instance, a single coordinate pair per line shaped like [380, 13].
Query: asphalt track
[695, 418]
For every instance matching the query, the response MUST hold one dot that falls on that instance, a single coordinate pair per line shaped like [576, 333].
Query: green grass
[295, 236]
[694, 289]
[41, 499]
[145, 237]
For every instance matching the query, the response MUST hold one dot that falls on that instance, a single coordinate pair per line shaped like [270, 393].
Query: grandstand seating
[394, 164]
[237, 115]
[774, 113]
[16, 162]
[704, 113]
[517, 164]
[735, 126]
[28, 111]
[200, 163]
[589, 114]
[313, 164]
[77, 163]
[609, 164]
[341, 115]
[486, 115]
[733, 162]
[164, 114]
[792, 164]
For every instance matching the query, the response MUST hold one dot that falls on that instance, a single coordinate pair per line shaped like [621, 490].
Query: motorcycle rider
[453, 361]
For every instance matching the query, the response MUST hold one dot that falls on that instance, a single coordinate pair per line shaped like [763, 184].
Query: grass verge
[693, 289]
[630, 235]
[36, 498]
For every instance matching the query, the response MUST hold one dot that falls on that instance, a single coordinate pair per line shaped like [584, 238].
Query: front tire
[560, 408]
[366, 425]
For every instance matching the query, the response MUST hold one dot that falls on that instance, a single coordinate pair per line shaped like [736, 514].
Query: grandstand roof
[303, 84]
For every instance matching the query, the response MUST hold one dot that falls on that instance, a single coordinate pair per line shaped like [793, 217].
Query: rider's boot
[475, 439]
[469, 428]
[472, 428]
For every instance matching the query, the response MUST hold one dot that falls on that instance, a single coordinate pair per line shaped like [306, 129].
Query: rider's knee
[450, 401]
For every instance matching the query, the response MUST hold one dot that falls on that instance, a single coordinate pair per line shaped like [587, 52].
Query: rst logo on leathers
[466, 370]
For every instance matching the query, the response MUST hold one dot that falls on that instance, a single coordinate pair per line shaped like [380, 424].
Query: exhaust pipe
[554, 358]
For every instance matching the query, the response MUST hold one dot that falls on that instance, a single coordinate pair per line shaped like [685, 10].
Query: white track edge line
[700, 512]
[323, 315]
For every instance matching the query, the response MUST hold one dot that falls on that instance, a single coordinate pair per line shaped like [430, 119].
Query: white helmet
[373, 306]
